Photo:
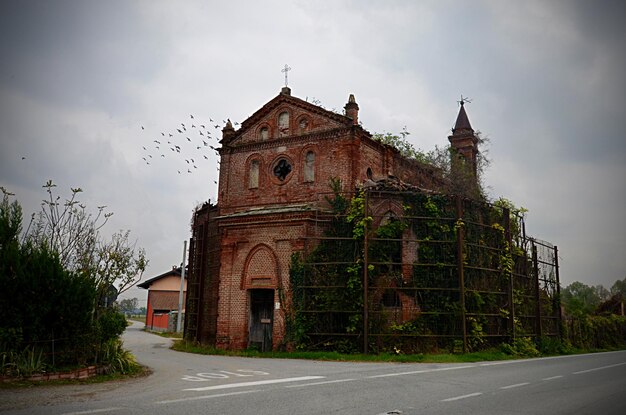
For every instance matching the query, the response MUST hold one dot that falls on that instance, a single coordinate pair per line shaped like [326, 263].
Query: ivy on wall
[465, 285]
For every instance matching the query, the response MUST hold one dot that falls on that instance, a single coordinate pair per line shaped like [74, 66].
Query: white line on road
[419, 371]
[517, 385]
[304, 385]
[93, 411]
[256, 383]
[553, 377]
[456, 398]
[599, 368]
[195, 398]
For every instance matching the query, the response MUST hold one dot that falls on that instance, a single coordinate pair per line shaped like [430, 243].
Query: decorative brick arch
[382, 209]
[261, 268]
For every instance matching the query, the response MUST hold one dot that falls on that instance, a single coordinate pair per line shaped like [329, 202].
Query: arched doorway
[261, 319]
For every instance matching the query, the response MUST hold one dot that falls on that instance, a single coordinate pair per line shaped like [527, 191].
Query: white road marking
[517, 385]
[414, 372]
[304, 385]
[255, 383]
[553, 377]
[93, 411]
[196, 398]
[456, 398]
[599, 368]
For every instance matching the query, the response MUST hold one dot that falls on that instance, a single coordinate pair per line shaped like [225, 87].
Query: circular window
[281, 169]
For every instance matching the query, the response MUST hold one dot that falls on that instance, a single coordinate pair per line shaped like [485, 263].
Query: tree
[71, 231]
[460, 175]
[52, 279]
[129, 305]
[619, 287]
[602, 293]
[41, 301]
[579, 299]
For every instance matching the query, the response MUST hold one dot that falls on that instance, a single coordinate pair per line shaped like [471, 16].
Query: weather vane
[464, 100]
[285, 70]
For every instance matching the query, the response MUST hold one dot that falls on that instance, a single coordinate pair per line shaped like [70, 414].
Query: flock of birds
[189, 144]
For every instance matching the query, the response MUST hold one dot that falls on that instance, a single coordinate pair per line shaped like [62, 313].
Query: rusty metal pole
[460, 231]
[558, 290]
[537, 294]
[365, 275]
[506, 218]
[179, 319]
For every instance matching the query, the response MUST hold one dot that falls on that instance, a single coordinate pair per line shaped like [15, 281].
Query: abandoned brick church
[273, 170]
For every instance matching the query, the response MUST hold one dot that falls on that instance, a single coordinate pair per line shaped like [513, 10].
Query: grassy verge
[167, 334]
[482, 356]
[487, 355]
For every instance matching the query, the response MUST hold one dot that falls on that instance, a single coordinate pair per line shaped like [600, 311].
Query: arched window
[264, 133]
[253, 176]
[283, 124]
[309, 167]
[303, 125]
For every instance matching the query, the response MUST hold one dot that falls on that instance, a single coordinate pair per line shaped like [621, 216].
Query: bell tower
[463, 139]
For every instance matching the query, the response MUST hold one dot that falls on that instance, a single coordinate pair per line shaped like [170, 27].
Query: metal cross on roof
[464, 100]
[285, 70]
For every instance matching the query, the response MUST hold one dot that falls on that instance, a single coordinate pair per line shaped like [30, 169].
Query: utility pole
[179, 322]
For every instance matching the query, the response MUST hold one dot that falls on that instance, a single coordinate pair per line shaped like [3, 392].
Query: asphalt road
[193, 384]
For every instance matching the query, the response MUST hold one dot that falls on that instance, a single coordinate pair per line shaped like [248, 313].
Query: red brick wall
[255, 248]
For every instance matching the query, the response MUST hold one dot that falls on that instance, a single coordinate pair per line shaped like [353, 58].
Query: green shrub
[111, 324]
[521, 346]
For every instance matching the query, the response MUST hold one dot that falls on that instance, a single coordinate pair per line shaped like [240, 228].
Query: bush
[521, 346]
[113, 355]
[111, 324]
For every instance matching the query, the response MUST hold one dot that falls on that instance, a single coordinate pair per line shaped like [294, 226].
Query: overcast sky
[78, 80]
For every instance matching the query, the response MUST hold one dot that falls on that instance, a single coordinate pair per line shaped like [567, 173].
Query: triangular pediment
[285, 116]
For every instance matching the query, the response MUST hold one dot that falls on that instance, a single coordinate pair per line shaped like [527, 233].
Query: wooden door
[261, 319]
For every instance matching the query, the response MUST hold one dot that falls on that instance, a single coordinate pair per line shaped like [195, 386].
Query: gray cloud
[79, 79]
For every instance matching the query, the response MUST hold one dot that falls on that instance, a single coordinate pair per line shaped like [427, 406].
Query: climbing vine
[443, 274]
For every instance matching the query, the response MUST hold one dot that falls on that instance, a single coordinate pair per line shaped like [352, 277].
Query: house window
[253, 178]
[309, 167]
[264, 133]
[283, 124]
[369, 173]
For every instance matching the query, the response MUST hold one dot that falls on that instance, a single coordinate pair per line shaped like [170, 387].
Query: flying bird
[191, 116]
[178, 129]
[142, 127]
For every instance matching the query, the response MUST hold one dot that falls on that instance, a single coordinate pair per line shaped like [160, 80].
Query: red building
[274, 171]
[163, 295]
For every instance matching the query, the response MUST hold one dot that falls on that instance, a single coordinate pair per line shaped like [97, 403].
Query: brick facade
[272, 172]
